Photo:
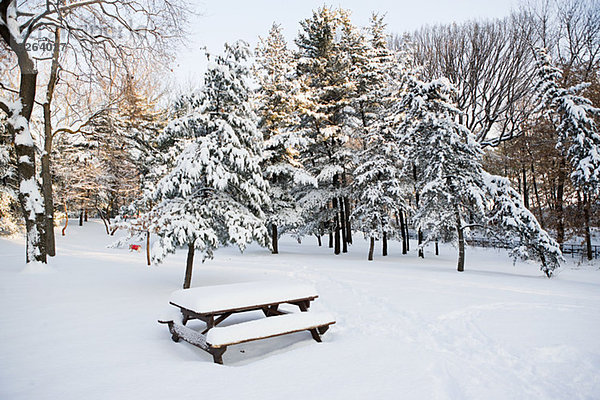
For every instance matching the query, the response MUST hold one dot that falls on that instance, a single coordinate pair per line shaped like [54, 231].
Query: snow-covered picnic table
[214, 304]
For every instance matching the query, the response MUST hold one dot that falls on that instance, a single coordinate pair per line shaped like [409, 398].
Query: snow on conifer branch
[215, 195]
[572, 116]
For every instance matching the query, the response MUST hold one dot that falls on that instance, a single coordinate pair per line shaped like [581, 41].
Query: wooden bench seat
[217, 339]
[267, 327]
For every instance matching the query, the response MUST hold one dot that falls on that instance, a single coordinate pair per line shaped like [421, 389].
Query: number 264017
[44, 46]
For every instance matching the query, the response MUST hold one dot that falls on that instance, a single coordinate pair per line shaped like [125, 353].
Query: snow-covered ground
[86, 327]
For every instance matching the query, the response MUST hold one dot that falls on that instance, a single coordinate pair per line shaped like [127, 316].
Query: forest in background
[335, 136]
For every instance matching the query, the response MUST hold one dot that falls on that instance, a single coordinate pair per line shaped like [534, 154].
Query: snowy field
[406, 328]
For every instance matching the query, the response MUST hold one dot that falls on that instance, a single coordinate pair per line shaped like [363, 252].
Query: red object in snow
[135, 247]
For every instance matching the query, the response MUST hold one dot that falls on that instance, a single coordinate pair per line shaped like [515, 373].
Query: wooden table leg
[218, 354]
[270, 311]
[322, 329]
[303, 305]
[210, 322]
[315, 335]
[215, 322]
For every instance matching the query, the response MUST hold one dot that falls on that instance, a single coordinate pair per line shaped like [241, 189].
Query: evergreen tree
[377, 186]
[509, 219]
[118, 176]
[324, 72]
[456, 193]
[377, 75]
[448, 160]
[215, 195]
[408, 109]
[278, 103]
[572, 115]
[142, 121]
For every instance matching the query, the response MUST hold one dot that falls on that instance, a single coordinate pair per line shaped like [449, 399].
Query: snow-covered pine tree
[376, 73]
[355, 49]
[215, 195]
[448, 159]
[509, 219]
[278, 103]
[572, 117]
[407, 110]
[324, 71]
[160, 154]
[142, 121]
[117, 176]
[456, 193]
[377, 186]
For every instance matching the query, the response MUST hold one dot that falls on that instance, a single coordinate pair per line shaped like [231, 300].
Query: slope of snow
[406, 328]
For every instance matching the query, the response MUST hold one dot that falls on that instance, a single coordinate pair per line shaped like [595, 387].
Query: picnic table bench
[214, 304]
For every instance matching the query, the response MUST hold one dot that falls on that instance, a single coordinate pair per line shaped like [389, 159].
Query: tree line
[343, 135]
[493, 66]
[353, 131]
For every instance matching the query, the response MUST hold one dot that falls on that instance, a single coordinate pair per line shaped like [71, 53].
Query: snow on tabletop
[209, 299]
[266, 327]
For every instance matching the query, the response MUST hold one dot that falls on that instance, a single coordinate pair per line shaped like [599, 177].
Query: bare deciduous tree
[90, 40]
[490, 64]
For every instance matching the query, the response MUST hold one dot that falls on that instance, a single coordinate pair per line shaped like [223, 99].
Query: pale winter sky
[228, 20]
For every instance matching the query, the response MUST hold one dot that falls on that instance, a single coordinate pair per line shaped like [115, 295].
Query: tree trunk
[81, 218]
[47, 182]
[85, 215]
[586, 219]
[348, 225]
[419, 233]
[385, 245]
[331, 237]
[407, 233]
[437, 248]
[343, 226]
[537, 197]
[560, 214]
[336, 225]
[189, 266]
[148, 247]
[525, 188]
[274, 239]
[461, 241]
[319, 240]
[403, 232]
[66, 219]
[105, 220]
[17, 124]
[46, 155]
[371, 248]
